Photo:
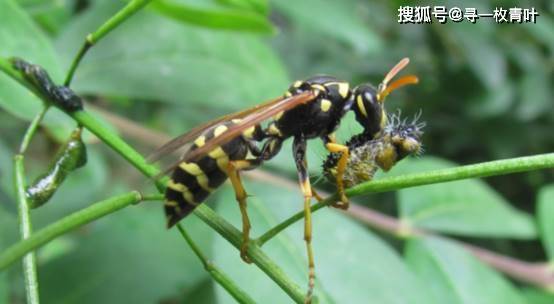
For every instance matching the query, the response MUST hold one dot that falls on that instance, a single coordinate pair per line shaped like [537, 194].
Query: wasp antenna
[406, 80]
[395, 70]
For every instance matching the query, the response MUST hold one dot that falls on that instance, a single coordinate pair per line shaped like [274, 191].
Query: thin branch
[26, 230]
[233, 236]
[130, 9]
[25, 224]
[31, 130]
[497, 167]
[67, 224]
[219, 276]
[117, 144]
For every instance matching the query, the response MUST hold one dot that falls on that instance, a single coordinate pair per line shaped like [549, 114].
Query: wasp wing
[184, 139]
[251, 120]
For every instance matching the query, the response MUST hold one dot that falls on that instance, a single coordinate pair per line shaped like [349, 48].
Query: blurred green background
[486, 92]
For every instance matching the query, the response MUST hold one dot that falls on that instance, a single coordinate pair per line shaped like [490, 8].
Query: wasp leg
[299, 153]
[341, 166]
[233, 168]
[318, 197]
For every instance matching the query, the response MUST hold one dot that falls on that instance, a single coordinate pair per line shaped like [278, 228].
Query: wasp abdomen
[192, 182]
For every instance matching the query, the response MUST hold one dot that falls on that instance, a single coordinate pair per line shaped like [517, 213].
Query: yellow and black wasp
[223, 147]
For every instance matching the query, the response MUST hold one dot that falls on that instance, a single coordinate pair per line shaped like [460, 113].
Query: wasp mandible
[223, 147]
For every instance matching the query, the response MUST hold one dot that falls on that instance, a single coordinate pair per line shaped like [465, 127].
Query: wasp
[223, 147]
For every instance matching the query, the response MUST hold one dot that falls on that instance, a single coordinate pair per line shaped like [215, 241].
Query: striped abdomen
[192, 182]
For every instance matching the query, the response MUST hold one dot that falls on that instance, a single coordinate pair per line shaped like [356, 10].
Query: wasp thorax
[369, 153]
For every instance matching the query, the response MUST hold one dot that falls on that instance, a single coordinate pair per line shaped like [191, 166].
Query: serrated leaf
[545, 214]
[454, 276]
[466, 207]
[152, 58]
[126, 257]
[19, 37]
[352, 264]
[222, 18]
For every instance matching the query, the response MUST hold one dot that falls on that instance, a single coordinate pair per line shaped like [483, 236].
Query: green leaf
[454, 276]
[4, 287]
[536, 97]
[51, 15]
[152, 58]
[352, 265]
[6, 183]
[545, 210]
[484, 57]
[468, 207]
[536, 296]
[260, 6]
[19, 37]
[127, 257]
[542, 30]
[340, 20]
[8, 236]
[222, 18]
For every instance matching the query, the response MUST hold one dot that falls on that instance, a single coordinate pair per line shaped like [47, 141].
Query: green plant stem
[31, 130]
[233, 236]
[117, 144]
[6, 67]
[67, 224]
[26, 229]
[497, 167]
[234, 290]
[131, 8]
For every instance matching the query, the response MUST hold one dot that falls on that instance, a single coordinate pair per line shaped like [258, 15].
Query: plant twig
[25, 227]
[497, 167]
[117, 144]
[67, 224]
[131, 8]
[31, 130]
[219, 276]
[25, 224]
[233, 236]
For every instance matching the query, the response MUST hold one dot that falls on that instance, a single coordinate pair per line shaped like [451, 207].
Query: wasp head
[369, 102]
